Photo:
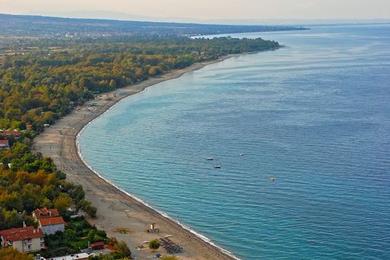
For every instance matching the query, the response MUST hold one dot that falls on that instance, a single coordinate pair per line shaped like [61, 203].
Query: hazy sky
[206, 10]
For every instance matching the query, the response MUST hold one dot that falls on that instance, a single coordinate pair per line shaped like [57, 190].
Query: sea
[275, 155]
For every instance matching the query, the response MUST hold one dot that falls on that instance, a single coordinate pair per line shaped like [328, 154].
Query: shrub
[88, 208]
[11, 254]
[169, 257]
[122, 249]
[154, 244]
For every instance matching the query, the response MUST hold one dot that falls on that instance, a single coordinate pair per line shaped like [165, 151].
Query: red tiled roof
[97, 245]
[14, 132]
[51, 221]
[46, 213]
[4, 143]
[18, 234]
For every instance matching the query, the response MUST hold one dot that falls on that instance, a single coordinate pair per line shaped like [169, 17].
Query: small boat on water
[210, 159]
[217, 167]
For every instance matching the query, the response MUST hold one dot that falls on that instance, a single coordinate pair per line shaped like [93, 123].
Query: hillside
[40, 26]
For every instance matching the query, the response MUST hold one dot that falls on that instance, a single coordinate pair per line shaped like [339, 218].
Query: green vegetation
[43, 85]
[169, 257]
[39, 86]
[33, 182]
[121, 251]
[78, 234]
[108, 257]
[12, 254]
[154, 244]
[18, 26]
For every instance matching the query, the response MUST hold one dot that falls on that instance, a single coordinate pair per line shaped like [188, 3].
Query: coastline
[116, 208]
[187, 228]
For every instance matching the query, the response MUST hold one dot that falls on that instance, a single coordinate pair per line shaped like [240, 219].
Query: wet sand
[116, 209]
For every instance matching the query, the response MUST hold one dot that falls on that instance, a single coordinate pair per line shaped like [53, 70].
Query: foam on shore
[163, 214]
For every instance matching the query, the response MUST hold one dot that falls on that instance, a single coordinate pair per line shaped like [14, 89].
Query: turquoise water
[302, 136]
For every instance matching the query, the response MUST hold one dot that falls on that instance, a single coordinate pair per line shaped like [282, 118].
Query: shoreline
[60, 142]
[187, 228]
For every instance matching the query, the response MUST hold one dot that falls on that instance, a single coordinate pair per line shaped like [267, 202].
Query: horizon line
[249, 22]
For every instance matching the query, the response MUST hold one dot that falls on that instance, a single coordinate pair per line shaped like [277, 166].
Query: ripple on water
[301, 135]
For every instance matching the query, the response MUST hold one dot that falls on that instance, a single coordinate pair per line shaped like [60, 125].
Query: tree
[88, 208]
[123, 249]
[154, 70]
[62, 202]
[9, 219]
[154, 244]
[112, 84]
[12, 254]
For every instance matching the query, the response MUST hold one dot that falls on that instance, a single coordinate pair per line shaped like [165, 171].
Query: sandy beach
[116, 209]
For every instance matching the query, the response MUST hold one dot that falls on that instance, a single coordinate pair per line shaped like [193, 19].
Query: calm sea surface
[302, 136]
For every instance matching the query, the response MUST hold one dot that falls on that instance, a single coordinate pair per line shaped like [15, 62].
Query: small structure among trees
[25, 239]
[49, 220]
[4, 144]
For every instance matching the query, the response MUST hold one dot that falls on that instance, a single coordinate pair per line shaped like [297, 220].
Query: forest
[38, 87]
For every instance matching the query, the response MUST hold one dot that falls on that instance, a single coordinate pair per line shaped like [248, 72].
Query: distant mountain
[42, 26]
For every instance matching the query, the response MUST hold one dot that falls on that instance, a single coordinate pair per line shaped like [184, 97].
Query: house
[45, 213]
[4, 144]
[49, 220]
[52, 225]
[25, 240]
[11, 133]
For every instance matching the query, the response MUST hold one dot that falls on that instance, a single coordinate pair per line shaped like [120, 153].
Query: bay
[301, 135]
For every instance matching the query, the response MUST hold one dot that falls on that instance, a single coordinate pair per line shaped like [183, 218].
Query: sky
[204, 10]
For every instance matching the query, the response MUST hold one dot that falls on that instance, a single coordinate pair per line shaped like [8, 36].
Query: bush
[87, 207]
[169, 257]
[91, 211]
[122, 250]
[154, 244]
[95, 235]
[11, 254]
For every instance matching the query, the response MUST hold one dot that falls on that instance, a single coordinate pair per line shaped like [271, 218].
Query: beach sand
[116, 209]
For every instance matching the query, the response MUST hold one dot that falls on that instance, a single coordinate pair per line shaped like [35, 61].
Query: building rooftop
[4, 143]
[14, 132]
[51, 221]
[46, 213]
[18, 234]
